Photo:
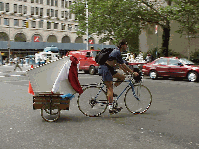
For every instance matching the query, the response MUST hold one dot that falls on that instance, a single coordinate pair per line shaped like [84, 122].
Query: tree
[186, 13]
[119, 19]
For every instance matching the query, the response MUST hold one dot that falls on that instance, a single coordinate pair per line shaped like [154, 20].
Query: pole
[9, 44]
[87, 25]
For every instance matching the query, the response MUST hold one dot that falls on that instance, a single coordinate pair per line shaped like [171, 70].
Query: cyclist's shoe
[115, 110]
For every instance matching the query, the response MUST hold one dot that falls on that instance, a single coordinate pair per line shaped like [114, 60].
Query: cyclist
[108, 72]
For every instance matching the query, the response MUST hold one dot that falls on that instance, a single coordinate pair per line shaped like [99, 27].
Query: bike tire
[90, 107]
[134, 105]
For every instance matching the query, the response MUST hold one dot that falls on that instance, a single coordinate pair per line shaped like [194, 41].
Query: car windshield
[186, 61]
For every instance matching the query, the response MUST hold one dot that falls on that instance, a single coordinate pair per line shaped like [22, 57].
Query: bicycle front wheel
[92, 102]
[141, 105]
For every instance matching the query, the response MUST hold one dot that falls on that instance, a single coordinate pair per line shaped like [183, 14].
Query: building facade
[40, 23]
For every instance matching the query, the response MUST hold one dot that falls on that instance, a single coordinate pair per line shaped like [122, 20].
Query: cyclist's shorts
[106, 72]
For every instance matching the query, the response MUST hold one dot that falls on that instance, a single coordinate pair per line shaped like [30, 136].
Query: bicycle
[93, 102]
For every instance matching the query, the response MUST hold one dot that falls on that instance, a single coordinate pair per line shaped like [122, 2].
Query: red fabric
[30, 90]
[73, 75]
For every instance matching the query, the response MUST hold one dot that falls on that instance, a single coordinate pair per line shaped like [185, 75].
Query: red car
[171, 67]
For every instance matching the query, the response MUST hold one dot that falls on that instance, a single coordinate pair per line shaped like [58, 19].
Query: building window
[66, 4]
[32, 1]
[76, 27]
[56, 13]
[41, 11]
[70, 3]
[48, 2]
[20, 8]
[24, 9]
[62, 14]
[33, 24]
[19, 0]
[41, 1]
[32, 10]
[69, 15]
[15, 8]
[52, 2]
[25, 0]
[6, 21]
[66, 14]
[69, 27]
[16, 22]
[40, 24]
[63, 26]
[1, 6]
[48, 25]
[7, 7]
[52, 12]
[36, 1]
[62, 3]
[56, 3]
[56, 25]
[48, 12]
[36, 10]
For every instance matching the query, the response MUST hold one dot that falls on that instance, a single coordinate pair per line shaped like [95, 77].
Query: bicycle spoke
[141, 105]
[92, 102]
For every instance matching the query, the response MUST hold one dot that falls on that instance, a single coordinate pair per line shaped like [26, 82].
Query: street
[171, 122]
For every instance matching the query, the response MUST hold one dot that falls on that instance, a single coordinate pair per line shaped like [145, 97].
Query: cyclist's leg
[120, 78]
[109, 86]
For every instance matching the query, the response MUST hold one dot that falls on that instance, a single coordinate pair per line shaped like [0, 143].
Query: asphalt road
[171, 122]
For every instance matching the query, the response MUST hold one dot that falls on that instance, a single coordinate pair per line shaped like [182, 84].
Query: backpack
[103, 55]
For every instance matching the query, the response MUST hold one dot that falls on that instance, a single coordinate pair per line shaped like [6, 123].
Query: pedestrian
[108, 72]
[17, 64]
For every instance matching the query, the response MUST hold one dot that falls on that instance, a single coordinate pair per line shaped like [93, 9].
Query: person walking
[17, 64]
[108, 72]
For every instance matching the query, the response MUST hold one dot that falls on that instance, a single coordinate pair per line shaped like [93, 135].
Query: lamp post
[86, 25]
[9, 43]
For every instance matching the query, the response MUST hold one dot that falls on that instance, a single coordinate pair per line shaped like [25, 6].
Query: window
[48, 12]
[62, 3]
[32, 1]
[62, 14]
[41, 11]
[7, 7]
[56, 13]
[63, 26]
[15, 8]
[40, 24]
[20, 8]
[52, 2]
[66, 3]
[25, 9]
[32, 10]
[56, 3]
[70, 3]
[48, 25]
[66, 14]
[162, 61]
[16, 22]
[25, 0]
[76, 27]
[69, 15]
[173, 61]
[1, 6]
[56, 25]
[36, 1]
[48, 2]
[33, 24]
[41, 1]
[52, 12]
[69, 27]
[36, 10]
[6, 21]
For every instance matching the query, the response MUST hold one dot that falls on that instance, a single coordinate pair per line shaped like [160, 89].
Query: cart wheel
[51, 114]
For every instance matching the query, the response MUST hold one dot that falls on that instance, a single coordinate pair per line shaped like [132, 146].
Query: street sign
[36, 39]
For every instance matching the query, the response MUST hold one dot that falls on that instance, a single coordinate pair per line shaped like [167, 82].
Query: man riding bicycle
[108, 72]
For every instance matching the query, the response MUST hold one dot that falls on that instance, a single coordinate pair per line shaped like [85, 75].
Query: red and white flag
[156, 29]
[90, 42]
[36, 38]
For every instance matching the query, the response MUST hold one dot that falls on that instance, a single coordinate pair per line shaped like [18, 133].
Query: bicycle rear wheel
[134, 105]
[92, 102]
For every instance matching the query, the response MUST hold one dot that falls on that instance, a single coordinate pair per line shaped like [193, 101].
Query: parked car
[171, 67]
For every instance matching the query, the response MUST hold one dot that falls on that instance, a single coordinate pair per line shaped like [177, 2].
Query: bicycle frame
[129, 85]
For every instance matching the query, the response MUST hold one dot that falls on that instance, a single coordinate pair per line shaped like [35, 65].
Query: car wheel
[192, 76]
[153, 75]
[92, 70]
